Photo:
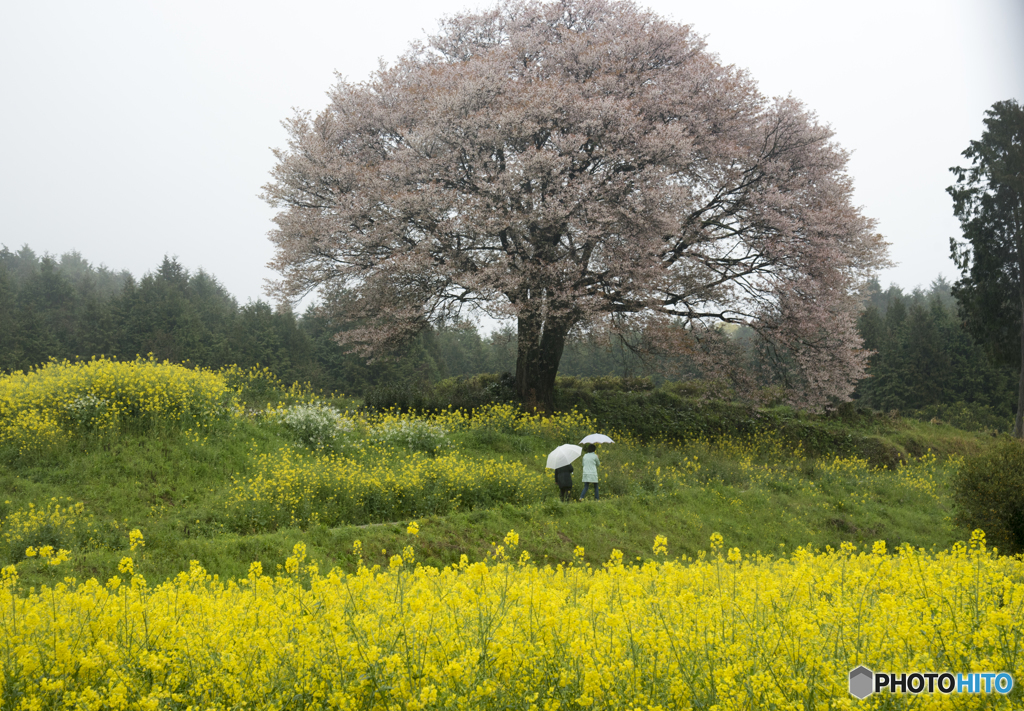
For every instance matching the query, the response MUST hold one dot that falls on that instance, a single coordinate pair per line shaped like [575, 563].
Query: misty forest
[923, 363]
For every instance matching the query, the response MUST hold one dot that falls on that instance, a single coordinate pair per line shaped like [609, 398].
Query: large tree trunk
[541, 342]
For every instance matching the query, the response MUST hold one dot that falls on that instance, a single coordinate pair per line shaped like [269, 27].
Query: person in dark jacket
[563, 477]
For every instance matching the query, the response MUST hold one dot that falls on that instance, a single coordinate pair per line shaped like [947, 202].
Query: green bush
[969, 416]
[660, 414]
[604, 382]
[702, 389]
[254, 386]
[988, 493]
[462, 392]
[403, 398]
[475, 391]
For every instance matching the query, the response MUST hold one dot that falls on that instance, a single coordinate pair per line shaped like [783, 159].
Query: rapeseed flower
[770, 633]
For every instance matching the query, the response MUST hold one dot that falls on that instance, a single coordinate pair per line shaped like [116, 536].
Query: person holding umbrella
[590, 463]
[563, 478]
[561, 460]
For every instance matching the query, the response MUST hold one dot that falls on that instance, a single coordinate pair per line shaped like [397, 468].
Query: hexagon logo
[861, 682]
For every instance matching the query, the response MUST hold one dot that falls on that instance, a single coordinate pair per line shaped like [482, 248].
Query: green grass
[174, 489]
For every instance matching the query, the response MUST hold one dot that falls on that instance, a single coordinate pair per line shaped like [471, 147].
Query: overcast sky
[137, 129]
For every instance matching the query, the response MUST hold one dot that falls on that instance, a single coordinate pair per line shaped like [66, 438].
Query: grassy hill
[263, 467]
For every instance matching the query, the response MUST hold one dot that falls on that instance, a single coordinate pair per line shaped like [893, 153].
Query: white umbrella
[563, 454]
[597, 439]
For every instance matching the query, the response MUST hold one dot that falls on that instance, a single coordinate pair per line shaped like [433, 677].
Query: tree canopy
[572, 165]
[988, 199]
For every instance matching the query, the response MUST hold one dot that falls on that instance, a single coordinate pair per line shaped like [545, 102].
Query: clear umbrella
[597, 439]
[564, 454]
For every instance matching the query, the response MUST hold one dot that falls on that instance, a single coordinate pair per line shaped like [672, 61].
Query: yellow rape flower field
[58, 400]
[724, 631]
[117, 474]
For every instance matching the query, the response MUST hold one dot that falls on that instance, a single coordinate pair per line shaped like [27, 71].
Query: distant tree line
[925, 362]
[64, 307]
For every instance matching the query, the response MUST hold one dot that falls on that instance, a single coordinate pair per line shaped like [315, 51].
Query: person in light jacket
[590, 464]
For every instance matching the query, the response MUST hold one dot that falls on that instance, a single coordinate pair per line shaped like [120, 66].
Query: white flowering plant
[414, 434]
[315, 424]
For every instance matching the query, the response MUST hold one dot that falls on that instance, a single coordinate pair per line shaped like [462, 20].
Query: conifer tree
[988, 199]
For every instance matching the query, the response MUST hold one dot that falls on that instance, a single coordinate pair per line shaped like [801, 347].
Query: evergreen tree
[95, 332]
[334, 368]
[21, 264]
[923, 358]
[925, 361]
[274, 339]
[46, 306]
[458, 349]
[502, 346]
[10, 345]
[988, 199]
[176, 316]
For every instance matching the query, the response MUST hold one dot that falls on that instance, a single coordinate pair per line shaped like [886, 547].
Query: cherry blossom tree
[576, 164]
